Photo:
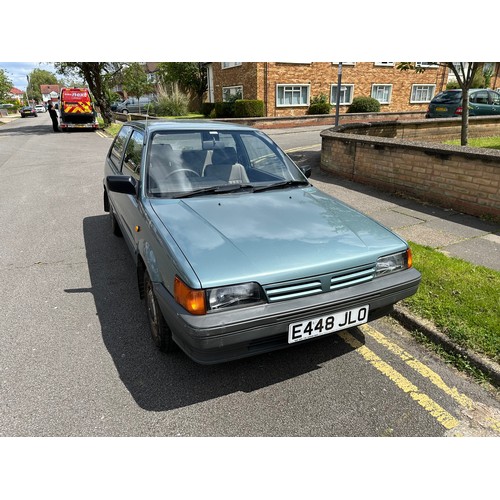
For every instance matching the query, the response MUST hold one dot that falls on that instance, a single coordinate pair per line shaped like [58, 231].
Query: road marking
[447, 420]
[302, 148]
[101, 134]
[426, 372]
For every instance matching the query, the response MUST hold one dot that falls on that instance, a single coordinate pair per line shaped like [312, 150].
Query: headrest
[224, 156]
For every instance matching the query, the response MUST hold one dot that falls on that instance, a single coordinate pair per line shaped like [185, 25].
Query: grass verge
[479, 142]
[460, 298]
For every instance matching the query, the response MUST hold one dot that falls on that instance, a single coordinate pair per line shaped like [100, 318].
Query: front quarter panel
[161, 255]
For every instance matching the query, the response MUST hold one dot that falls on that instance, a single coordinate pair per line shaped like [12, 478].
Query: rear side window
[118, 147]
[448, 97]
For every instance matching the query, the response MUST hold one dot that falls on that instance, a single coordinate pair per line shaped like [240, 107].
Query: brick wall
[464, 179]
[259, 81]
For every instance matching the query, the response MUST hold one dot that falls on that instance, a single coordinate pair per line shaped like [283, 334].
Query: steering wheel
[182, 170]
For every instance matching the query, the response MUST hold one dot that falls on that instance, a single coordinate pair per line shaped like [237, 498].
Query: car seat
[225, 167]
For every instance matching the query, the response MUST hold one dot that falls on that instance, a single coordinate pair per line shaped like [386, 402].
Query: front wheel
[161, 333]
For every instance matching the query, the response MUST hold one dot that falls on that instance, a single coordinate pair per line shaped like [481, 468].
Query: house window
[382, 93]
[292, 95]
[232, 93]
[344, 63]
[422, 93]
[226, 65]
[346, 93]
[426, 65]
[384, 64]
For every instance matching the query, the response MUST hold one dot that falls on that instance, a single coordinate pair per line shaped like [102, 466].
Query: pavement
[455, 234]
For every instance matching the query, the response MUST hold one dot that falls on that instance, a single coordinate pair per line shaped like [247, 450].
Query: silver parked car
[236, 253]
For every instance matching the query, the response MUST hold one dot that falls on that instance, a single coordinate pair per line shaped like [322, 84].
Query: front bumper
[229, 335]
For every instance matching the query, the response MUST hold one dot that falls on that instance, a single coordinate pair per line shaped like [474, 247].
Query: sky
[17, 71]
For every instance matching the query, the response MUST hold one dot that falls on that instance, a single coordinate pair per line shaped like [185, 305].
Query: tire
[160, 332]
[115, 228]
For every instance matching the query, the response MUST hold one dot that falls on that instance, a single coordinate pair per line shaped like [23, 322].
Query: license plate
[441, 108]
[323, 325]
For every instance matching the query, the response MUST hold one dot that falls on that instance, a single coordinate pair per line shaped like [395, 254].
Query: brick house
[287, 88]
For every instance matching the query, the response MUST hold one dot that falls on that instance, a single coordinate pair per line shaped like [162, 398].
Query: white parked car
[40, 108]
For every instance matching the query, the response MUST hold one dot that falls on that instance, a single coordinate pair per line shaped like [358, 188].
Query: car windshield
[192, 162]
[448, 96]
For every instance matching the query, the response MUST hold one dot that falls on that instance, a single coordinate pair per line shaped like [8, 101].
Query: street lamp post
[339, 83]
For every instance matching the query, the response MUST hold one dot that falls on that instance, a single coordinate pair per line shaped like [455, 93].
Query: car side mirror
[306, 170]
[121, 184]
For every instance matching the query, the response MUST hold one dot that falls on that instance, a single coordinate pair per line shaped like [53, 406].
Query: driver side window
[133, 155]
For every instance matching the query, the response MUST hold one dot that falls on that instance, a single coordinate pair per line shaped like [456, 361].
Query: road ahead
[76, 358]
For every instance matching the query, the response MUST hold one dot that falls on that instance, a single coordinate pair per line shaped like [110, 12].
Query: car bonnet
[272, 236]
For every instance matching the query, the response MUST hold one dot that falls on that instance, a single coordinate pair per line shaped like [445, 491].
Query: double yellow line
[447, 420]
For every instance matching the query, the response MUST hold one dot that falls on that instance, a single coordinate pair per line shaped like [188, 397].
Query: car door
[479, 103]
[495, 102]
[129, 207]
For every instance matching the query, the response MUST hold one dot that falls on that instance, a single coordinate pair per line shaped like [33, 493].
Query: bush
[207, 108]
[175, 104]
[364, 105]
[224, 109]
[248, 108]
[319, 105]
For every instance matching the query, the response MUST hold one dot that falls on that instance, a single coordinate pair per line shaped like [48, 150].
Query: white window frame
[342, 103]
[386, 64]
[336, 63]
[233, 89]
[226, 65]
[426, 65]
[414, 90]
[293, 87]
[388, 85]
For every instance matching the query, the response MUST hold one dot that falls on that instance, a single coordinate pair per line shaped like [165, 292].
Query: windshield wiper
[226, 188]
[279, 185]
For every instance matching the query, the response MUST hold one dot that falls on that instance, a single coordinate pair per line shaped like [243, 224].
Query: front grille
[319, 284]
[352, 277]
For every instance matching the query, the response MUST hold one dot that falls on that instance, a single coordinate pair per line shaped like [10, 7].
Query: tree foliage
[191, 76]
[5, 85]
[39, 77]
[135, 81]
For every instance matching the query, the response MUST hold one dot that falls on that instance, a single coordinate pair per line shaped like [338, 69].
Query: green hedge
[239, 108]
[244, 108]
[364, 105]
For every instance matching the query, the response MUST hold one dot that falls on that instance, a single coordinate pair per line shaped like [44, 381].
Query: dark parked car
[134, 105]
[236, 253]
[114, 105]
[449, 103]
[28, 111]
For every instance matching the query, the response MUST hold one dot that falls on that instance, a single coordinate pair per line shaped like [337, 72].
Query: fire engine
[76, 109]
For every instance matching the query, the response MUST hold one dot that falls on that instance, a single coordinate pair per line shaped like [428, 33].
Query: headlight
[199, 301]
[393, 263]
[234, 296]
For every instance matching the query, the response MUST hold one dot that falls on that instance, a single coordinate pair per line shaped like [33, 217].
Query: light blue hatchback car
[236, 253]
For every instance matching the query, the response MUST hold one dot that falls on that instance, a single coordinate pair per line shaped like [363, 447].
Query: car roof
[156, 125]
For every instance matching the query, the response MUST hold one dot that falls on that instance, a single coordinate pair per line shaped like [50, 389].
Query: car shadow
[160, 382]
[6, 130]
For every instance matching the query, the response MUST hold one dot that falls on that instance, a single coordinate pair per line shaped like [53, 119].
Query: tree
[98, 76]
[5, 85]
[191, 77]
[464, 73]
[135, 81]
[39, 77]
